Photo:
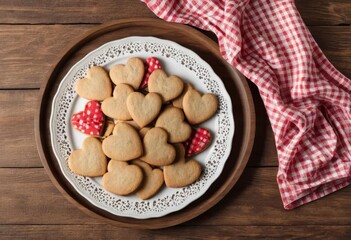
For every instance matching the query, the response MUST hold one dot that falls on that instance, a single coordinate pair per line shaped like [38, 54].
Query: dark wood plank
[17, 144]
[314, 12]
[29, 197]
[336, 45]
[178, 232]
[28, 52]
[325, 12]
[253, 201]
[70, 11]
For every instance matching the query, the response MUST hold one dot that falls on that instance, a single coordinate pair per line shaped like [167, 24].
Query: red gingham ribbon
[198, 142]
[151, 64]
[307, 100]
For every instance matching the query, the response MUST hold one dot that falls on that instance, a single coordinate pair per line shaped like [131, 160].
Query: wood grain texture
[180, 232]
[314, 12]
[70, 11]
[255, 200]
[325, 12]
[335, 43]
[28, 52]
[30, 196]
[17, 144]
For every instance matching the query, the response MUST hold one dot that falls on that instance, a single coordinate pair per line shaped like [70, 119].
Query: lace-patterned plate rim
[65, 100]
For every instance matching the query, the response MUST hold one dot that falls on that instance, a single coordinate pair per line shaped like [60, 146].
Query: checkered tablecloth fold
[307, 100]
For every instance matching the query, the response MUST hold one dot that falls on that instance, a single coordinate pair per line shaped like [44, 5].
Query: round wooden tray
[235, 83]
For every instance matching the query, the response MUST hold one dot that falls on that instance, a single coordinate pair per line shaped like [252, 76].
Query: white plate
[176, 60]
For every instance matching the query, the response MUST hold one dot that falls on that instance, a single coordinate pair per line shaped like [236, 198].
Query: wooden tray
[235, 83]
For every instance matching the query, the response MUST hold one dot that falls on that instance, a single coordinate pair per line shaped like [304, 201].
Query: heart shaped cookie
[152, 181]
[198, 142]
[144, 109]
[169, 87]
[109, 126]
[178, 102]
[199, 108]
[132, 73]
[181, 173]
[95, 86]
[124, 144]
[143, 131]
[172, 120]
[89, 161]
[116, 107]
[90, 121]
[157, 151]
[130, 122]
[151, 65]
[122, 178]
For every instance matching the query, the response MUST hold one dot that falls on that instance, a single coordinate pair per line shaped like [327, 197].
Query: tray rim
[187, 213]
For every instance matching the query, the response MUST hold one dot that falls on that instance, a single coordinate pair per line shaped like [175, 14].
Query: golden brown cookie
[109, 126]
[169, 87]
[132, 73]
[157, 151]
[199, 108]
[116, 107]
[172, 120]
[181, 173]
[90, 161]
[178, 102]
[122, 178]
[144, 109]
[124, 144]
[152, 181]
[143, 131]
[130, 122]
[95, 86]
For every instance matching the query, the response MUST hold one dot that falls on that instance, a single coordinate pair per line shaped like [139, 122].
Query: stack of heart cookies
[142, 126]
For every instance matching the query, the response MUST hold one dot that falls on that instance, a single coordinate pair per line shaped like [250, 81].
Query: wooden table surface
[32, 35]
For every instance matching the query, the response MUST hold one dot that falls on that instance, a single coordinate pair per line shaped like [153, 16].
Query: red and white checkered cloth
[307, 100]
